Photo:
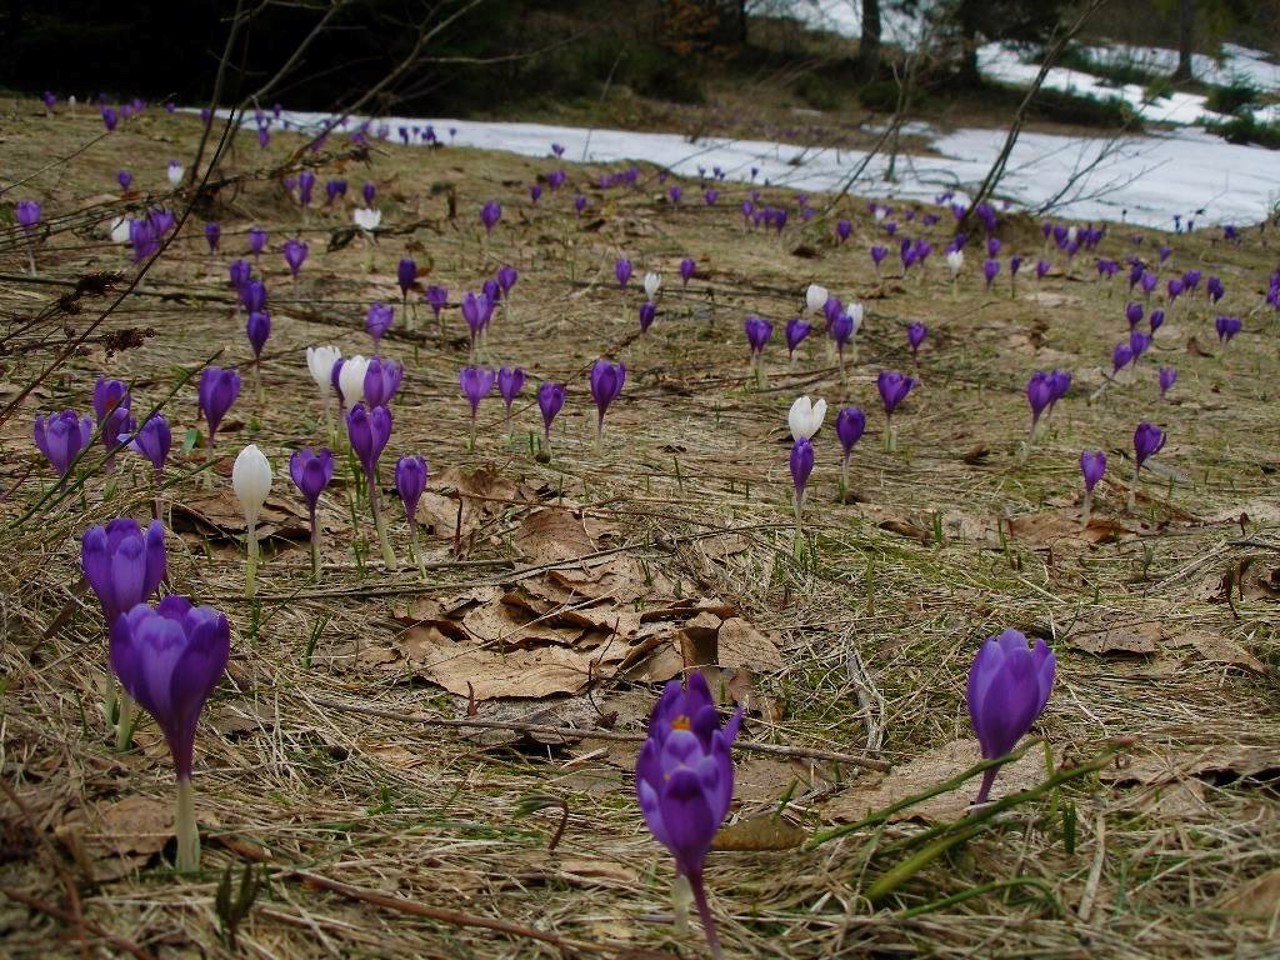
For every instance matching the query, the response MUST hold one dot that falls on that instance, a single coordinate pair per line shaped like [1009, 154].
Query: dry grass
[876, 628]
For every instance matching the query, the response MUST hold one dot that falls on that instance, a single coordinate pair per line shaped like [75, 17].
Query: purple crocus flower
[550, 402]
[1174, 288]
[333, 189]
[264, 137]
[169, 659]
[252, 295]
[535, 193]
[381, 381]
[258, 328]
[1009, 686]
[311, 470]
[648, 313]
[710, 196]
[61, 437]
[556, 179]
[851, 424]
[1168, 376]
[406, 274]
[797, 330]
[758, 331]
[622, 271]
[1148, 440]
[153, 440]
[369, 430]
[1059, 385]
[475, 310]
[27, 214]
[1121, 356]
[218, 390]
[411, 481]
[607, 380]
[844, 229]
[990, 270]
[476, 382]
[1191, 280]
[507, 277]
[122, 564]
[687, 269]
[490, 214]
[369, 191]
[1214, 289]
[437, 299]
[257, 240]
[1042, 268]
[510, 383]
[295, 252]
[878, 253]
[675, 193]
[1093, 464]
[1227, 328]
[916, 332]
[893, 387]
[579, 204]
[1133, 313]
[993, 247]
[378, 321]
[1148, 282]
[1138, 343]
[1039, 395]
[306, 183]
[125, 179]
[684, 781]
[492, 293]
[802, 459]
[110, 118]
[1156, 320]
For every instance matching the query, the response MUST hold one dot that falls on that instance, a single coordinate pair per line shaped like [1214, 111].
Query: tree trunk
[1186, 38]
[869, 45]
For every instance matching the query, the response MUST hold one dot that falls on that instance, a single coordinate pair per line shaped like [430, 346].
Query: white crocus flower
[805, 417]
[175, 173]
[320, 361]
[652, 281]
[351, 379]
[955, 262]
[251, 480]
[368, 218]
[816, 297]
[880, 213]
[120, 230]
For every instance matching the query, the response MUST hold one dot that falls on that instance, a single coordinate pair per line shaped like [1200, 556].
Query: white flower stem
[388, 555]
[126, 722]
[1087, 509]
[186, 828]
[251, 563]
[315, 545]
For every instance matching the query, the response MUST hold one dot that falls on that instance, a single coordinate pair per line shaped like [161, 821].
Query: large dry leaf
[1119, 636]
[928, 770]
[1062, 530]
[742, 645]
[218, 514]
[1215, 648]
[759, 833]
[553, 534]
[1256, 899]
[539, 672]
[114, 841]
[1216, 763]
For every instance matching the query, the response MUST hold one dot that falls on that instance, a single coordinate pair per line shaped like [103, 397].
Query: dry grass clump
[398, 832]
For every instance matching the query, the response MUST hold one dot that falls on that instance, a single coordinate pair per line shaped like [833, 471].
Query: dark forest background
[505, 53]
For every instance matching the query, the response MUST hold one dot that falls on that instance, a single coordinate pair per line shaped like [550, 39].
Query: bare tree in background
[869, 45]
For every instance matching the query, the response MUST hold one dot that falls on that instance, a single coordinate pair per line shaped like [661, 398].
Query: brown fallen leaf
[1256, 899]
[928, 770]
[219, 515]
[1119, 636]
[742, 645]
[909, 530]
[1216, 648]
[759, 833]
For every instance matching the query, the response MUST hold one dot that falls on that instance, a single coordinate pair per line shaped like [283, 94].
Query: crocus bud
[476, 382]
[153, 440]
[758, 332]
[258, 329]
[815, 298]
[122, 564]
[687, 270]
[1093, 464]
[797, 330]
[218, 390]
[378, 321]
[311, 470]
[411, 481]
[382, 381]
[320, 361]
[406, 274]
[955, 261]
[61, 437]
[1009, 686]
[367, 219]
[1148, 440]
[351, 379]
[550, 402]
[368, 431]
[175, 173]
[510, 383]
[916, 333]
[622, 271]
[607, 380]
[251, 480]
[652, 281]
[893, 387]
[802, 459]
[1168, 375]
[851, 423]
